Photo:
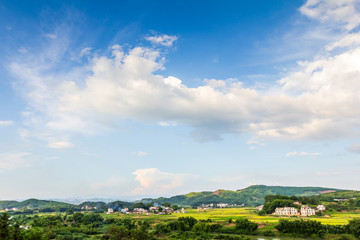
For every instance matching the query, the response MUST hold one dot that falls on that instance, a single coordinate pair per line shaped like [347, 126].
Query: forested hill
[250, 196]
[34, 203]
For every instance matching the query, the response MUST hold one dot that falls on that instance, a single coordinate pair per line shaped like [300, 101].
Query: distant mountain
[250, 196]
[43, 204]
[34, 203]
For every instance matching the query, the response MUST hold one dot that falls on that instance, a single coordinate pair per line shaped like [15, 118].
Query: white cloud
[12, 161]
[51, 35]
[341, 13]
[255, 142]
[164, 40]
[153, 181]
[139, 154]
[355, 147]
[85, 51]
[167, 124]
[292, 154]
[22, 50]
[60, 145]
[318, 100]
[6, 123]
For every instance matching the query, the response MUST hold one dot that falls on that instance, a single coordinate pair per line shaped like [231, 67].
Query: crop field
[225, 214]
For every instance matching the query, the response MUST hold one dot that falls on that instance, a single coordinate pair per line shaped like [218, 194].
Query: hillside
[329, 197]
[34, 203]
[250, 196]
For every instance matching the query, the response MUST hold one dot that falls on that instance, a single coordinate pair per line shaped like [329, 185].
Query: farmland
[225, 214]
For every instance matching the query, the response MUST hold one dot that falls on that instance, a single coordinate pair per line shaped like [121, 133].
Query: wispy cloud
[60, 145]
[6, 123]
[12, 161]
[167, 124]
[85, 51]
[293, 154]
[139, 153]
[355, 147]
[51, 35]
[164, 40]
[344, 14]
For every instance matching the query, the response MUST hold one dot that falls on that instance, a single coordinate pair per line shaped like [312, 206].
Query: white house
[259, 208]
[307, 211]
[110, 210]
[287, 211]
[321, 207]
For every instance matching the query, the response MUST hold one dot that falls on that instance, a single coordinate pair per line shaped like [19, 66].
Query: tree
[114, 232]
[354, 227]
[16, 233]
[166, 204]
[69, 211]
[4, 226]
[245, 225]
[175, 207]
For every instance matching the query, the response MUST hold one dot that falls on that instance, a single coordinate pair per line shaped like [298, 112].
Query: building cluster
[304, 211]
[342, 199]
[88, 208]
[11, 209]
[217, 205]
[292, 211]
[152, 210]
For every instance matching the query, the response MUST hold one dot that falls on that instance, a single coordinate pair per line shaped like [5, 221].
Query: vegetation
[250, 196]
[274, 201]
[228, 223]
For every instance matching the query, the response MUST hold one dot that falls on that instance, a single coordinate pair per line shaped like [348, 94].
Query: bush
[245, 225]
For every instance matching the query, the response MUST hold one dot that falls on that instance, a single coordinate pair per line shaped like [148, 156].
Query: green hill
[34, 203]
[250, 196]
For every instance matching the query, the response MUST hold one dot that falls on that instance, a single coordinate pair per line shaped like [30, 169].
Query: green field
[224, 214]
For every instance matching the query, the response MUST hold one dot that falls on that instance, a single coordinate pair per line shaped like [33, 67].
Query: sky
[132, 99]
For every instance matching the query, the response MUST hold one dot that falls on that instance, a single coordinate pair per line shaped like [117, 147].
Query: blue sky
[127, 99]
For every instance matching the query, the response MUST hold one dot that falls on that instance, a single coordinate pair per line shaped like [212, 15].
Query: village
[160, 210]
[305, 210]
[152, 210]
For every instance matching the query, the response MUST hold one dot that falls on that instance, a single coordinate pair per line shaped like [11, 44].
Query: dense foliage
[315, 229]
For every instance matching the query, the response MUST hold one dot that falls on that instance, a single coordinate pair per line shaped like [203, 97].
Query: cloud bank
[318, 100]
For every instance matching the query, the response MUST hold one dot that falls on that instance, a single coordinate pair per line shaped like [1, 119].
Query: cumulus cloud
[6, 123]
[355, 147]
[292, 154]
[60, 145]
[164, 40]
[154, 181]
[317, 100]
[12, 161]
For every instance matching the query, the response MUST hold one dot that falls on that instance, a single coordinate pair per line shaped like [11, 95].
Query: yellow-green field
[223, 214]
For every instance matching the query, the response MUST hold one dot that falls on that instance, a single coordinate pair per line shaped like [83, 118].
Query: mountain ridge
[249, 196]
